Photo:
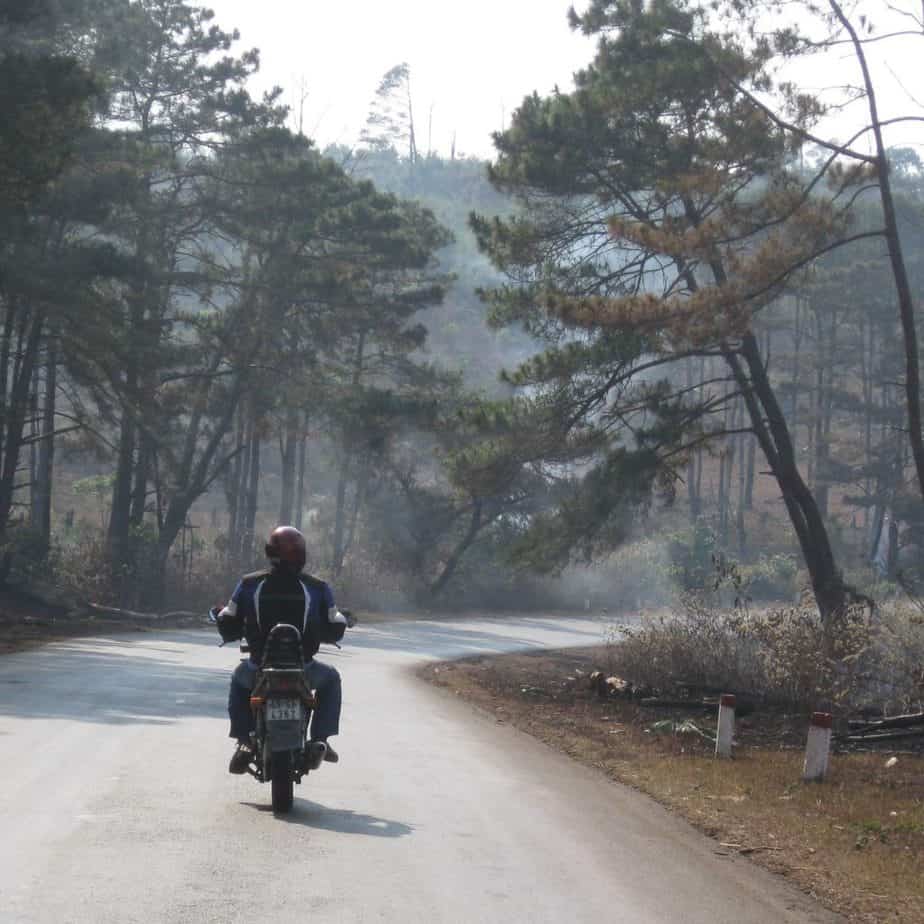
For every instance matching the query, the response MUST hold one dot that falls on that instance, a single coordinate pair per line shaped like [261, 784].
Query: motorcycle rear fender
[286, 735]
[291, 681]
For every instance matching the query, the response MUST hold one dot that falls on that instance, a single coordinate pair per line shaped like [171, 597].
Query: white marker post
[726, 729]
[817, 747]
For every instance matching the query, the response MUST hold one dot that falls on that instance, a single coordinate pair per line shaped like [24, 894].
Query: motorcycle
[282, 704]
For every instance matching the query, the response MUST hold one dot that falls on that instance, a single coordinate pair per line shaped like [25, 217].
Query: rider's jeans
[325, 720]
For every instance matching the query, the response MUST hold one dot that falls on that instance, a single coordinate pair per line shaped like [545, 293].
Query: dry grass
[855, 841]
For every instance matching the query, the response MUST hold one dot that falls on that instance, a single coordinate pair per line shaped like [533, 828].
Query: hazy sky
[474, 61]
[471, 60]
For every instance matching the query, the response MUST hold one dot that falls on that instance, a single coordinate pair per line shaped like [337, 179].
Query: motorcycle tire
[282, 783]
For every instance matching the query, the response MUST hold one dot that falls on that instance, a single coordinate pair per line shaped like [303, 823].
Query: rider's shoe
[315, 754]
[330, 755]
[240, 759]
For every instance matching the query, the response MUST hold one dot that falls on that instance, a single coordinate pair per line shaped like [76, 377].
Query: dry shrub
[781, 655]
[79, 563]
[892, 671]
[692, 645]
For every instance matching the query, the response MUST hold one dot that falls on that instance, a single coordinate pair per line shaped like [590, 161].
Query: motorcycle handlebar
[351, 619]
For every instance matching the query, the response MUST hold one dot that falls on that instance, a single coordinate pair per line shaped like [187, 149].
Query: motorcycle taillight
[284, 684]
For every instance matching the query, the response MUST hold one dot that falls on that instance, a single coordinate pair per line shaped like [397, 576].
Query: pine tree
[662, 217]
[177, 96]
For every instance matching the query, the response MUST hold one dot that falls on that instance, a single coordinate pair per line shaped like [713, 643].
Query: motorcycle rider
[283, 594]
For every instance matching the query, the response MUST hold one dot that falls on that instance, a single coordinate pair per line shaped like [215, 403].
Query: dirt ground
[856, 841]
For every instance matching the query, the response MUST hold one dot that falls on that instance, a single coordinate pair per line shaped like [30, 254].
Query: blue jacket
[265, 598]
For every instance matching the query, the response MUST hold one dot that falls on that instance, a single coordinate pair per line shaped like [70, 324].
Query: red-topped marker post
[726, 728]
[818, 747]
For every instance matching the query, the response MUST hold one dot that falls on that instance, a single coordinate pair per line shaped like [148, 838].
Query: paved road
[115, 803]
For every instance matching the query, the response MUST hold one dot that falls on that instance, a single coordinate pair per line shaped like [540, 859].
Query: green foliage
[458, 338]
[603, 175]
[692, 553]
[771, 577]
[45, 105]
[24, 553]
[592, 515]
[95, 485]
[47, 97]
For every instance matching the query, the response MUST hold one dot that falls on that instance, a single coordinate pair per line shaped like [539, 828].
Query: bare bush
[782, 655]
[692, 645]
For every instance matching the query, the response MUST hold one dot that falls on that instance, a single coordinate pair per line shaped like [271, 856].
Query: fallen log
[661, 702]
[895, 721]
[885, 736]
[708, 691]
[134, 616]
[743, 849]
[742, 708]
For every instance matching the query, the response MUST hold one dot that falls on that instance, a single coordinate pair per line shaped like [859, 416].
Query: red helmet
[286, 547]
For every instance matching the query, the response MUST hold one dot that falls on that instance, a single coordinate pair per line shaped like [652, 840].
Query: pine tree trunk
[692, 481]
[796, 368]
[903, 291]
[120, 513]
[252, 496]
[9, 323]
[44, 475]
[302, 466]
[828, 413]
[34, 434]
[725, 465]
[773, 434]
[359, 499]
[16, 409]
[142, 474]
[741, 533]
[340, 514]
[452, 563]
[819, 480]
[749, 481]
[201, 463]
[868, 410]
[235, 478]
[288, 465]
[768, 422]
[339, 550]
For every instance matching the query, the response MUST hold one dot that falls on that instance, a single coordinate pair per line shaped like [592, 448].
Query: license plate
[283, 710]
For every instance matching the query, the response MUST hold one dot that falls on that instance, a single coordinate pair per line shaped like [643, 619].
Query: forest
[667, 337]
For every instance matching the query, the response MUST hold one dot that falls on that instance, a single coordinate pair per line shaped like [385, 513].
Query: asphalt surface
[116, 804]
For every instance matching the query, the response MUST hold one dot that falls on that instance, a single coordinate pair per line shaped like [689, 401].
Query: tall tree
[662, 217]
[49, 270]
[827, 29]
[47, 96]
[390, 123]
[177, 97]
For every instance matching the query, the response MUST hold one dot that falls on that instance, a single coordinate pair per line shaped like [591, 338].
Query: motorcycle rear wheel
[282, 783]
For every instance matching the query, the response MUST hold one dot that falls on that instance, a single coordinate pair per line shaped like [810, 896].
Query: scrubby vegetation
[779, 655]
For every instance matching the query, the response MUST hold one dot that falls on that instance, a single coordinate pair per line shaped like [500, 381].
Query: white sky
[471, 60]
[474, 61]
